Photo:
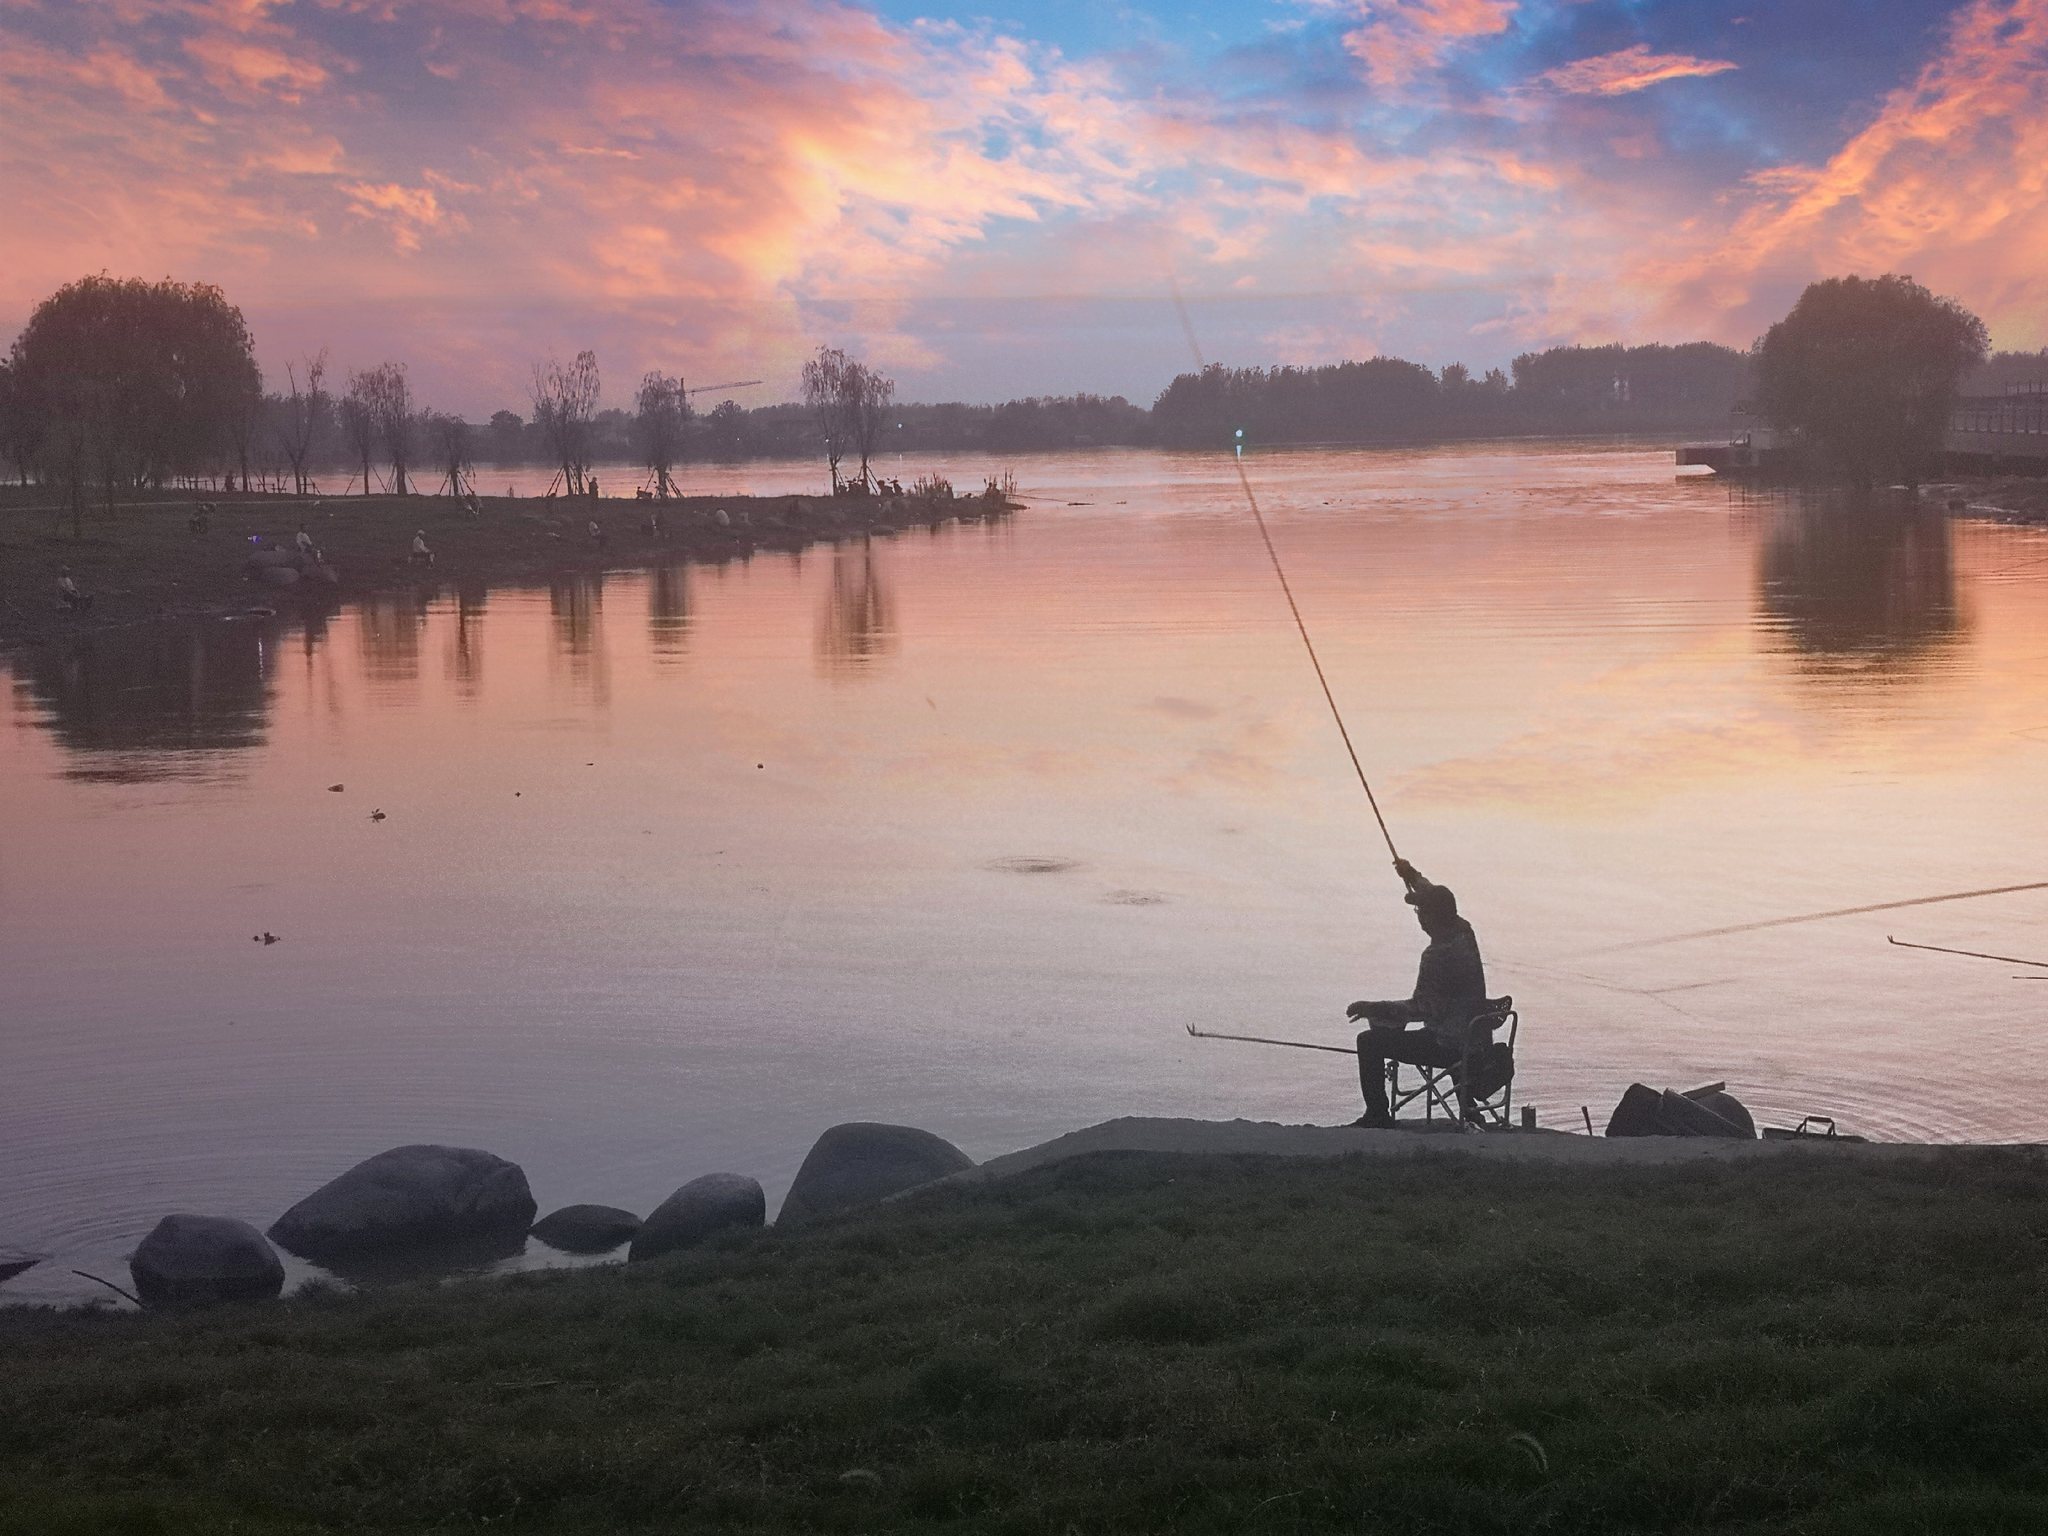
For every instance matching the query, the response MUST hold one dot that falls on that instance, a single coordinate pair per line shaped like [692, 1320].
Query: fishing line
[1251, 500]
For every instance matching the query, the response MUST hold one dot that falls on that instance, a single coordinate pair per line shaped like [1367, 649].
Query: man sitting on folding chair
[1450, 993]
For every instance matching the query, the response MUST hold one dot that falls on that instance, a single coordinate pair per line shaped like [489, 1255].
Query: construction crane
[705, 389]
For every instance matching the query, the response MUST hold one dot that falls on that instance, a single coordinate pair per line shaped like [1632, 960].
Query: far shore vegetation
[1812, 1343]
[117, 385]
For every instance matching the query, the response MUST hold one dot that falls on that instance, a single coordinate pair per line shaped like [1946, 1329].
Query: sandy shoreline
[142, 564]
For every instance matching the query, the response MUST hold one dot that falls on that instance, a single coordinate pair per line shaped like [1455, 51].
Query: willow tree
[358, 410]
[448, 435]
[127, 384]
[1866, 371]
[659, 427]
[850, 401]
[564, 406]
[824, 386]
[300, 414]
[389, 395]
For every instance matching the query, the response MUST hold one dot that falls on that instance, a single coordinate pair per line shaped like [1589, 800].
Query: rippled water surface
[960, 829]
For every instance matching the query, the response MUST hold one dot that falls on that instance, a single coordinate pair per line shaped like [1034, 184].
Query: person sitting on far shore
[421, 555]
[305, 543]
[596, 532]
[1450, 993]
[74, 601]
[654, 525]
[593, 487]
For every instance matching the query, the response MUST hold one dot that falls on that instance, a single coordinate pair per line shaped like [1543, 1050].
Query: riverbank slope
[1425, 1341]
[142, 563]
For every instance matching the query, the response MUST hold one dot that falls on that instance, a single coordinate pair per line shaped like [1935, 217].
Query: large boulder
[586, 1228]
[860, 1163]
[714, 1203]
[406, 1197]
[193, 1260]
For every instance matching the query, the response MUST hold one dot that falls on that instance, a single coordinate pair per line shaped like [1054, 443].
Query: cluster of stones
[418, 1198]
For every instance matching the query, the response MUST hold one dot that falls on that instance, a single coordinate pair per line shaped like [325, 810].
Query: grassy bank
[1807, 1343]
[141, 562]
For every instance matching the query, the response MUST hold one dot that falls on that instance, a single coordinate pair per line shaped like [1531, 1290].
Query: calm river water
[961, 829]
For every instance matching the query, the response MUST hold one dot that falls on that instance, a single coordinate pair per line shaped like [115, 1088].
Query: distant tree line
[1562, 390]
[117, 384]
[2002, 370]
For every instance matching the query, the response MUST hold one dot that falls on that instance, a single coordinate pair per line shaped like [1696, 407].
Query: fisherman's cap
[1433, 899]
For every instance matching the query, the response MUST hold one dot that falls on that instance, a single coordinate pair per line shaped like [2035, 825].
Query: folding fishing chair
[1493, 1086]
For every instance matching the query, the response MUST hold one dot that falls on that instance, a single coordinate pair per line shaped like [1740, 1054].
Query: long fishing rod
[1299, 1045]
[1251, 500]
[1807, 917]
[1973, 954]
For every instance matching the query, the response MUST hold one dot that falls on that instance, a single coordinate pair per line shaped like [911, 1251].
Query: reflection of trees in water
[388, 630]
[857, 626]
[1857, 587]
[576, 603]
[466, 644]
[144, 704]
[668, 610]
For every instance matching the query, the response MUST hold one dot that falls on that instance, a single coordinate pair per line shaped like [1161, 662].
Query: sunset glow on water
[960, 830]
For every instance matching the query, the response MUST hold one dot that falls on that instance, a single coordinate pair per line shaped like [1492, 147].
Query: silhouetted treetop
[1866, 371]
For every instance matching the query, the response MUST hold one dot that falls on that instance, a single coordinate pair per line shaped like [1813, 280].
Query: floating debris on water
[1026, 865]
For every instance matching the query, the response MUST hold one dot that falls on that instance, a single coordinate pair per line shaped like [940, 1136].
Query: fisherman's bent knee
[1367, 1041]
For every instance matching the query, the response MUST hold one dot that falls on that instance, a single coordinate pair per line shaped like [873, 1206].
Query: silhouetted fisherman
[421, 555]
[68, 594]
[1450, 992]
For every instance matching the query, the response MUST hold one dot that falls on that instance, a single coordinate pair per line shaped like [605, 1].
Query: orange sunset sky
[997, 201]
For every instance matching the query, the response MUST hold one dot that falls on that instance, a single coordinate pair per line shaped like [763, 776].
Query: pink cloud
[1399, 40]
[468, 184]
[1632, 69]
[1945, 181]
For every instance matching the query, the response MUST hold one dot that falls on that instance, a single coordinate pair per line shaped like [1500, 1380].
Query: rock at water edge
[193, 1260]
[586, 1228]
[406, 1197]
[714, 1203]
[860, 1163]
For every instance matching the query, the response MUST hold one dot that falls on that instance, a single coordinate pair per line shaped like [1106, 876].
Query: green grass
[1801, 1344]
